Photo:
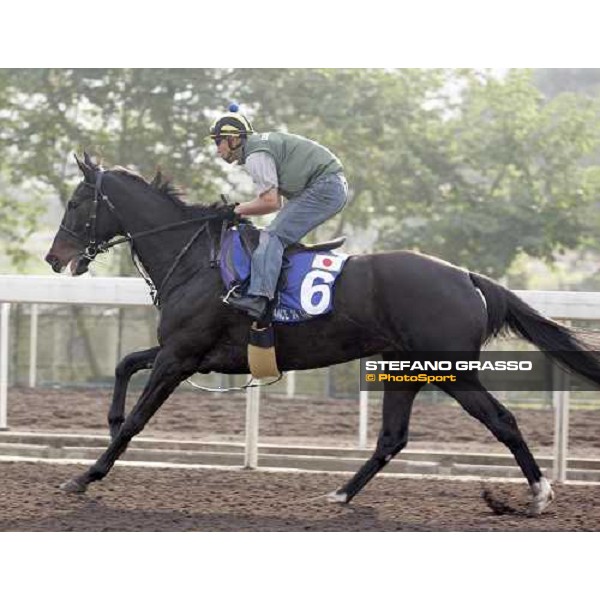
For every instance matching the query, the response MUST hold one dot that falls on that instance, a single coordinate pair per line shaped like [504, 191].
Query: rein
[92, 248]
[249, 384]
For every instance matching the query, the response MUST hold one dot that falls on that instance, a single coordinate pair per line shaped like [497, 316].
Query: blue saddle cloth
[306, 284]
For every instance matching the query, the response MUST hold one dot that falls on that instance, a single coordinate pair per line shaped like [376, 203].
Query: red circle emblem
[327, 262]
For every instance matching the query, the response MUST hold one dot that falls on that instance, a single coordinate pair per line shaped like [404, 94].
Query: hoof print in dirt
[498, 507]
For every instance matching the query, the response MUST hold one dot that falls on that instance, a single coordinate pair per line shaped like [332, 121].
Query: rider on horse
[307, 174]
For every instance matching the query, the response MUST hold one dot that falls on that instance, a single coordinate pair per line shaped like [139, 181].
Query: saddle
[308, 274]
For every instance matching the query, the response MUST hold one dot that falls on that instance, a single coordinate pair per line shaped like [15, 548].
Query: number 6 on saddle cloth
[308, 273]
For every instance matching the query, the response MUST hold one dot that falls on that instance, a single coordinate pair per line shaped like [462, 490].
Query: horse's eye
[71, 205]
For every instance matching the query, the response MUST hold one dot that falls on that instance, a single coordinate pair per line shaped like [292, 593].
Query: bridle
[93, 248]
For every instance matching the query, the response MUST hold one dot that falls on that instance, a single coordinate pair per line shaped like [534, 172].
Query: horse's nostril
[54, 262]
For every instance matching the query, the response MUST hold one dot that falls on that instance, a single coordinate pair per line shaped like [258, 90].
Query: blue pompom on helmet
[231, 124]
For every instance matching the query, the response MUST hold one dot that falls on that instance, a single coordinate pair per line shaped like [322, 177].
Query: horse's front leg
[127, 367]
[168, 372]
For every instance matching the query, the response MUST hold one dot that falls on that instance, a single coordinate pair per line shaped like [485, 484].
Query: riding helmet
[231, 124]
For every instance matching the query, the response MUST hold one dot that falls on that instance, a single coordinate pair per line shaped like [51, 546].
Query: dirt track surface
[144, 499]
[148, 499]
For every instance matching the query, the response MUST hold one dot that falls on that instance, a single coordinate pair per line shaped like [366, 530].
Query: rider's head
[229, 132]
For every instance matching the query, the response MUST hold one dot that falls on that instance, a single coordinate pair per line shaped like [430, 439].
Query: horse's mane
[167, 189]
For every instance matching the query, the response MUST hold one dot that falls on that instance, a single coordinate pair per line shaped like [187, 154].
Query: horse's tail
[507, 311]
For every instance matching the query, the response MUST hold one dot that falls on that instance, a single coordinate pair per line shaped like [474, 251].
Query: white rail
[125, 291]
[113, 291]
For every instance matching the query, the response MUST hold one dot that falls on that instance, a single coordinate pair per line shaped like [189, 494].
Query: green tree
[518, 182]
[137, 117]
[18, 221]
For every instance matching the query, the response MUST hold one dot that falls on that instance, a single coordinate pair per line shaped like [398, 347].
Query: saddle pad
[305, 287]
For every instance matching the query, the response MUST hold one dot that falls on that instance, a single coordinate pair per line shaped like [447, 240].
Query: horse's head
[86, 223]
[152, 210]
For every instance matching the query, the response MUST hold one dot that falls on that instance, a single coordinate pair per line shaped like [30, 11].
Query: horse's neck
[157, 251]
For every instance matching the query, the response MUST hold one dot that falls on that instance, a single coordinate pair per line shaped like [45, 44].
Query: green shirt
[299, 161]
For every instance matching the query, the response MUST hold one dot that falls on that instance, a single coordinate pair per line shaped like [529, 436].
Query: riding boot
[254, 306]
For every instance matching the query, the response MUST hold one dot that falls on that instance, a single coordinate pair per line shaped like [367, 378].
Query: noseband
[92, 248]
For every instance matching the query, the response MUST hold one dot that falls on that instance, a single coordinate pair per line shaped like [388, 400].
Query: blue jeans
[300, 215]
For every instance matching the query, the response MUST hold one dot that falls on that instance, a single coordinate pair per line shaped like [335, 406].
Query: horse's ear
[81, 166]
[88, 172]
[158, 179]
[89, 162]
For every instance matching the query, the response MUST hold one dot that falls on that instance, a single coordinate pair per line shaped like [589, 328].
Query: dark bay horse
[385, 304]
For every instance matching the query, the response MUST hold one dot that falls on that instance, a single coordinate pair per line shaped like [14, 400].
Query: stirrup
[230, 292]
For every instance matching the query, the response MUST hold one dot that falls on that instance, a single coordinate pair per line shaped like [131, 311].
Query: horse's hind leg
[128, 366]
[479, 403]
[397, 406]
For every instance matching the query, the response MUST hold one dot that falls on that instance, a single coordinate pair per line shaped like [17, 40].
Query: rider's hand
[230, 213]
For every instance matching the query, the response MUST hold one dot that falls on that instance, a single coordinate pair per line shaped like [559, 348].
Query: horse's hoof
[73, 486]
[338, 497]
[542, 497]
